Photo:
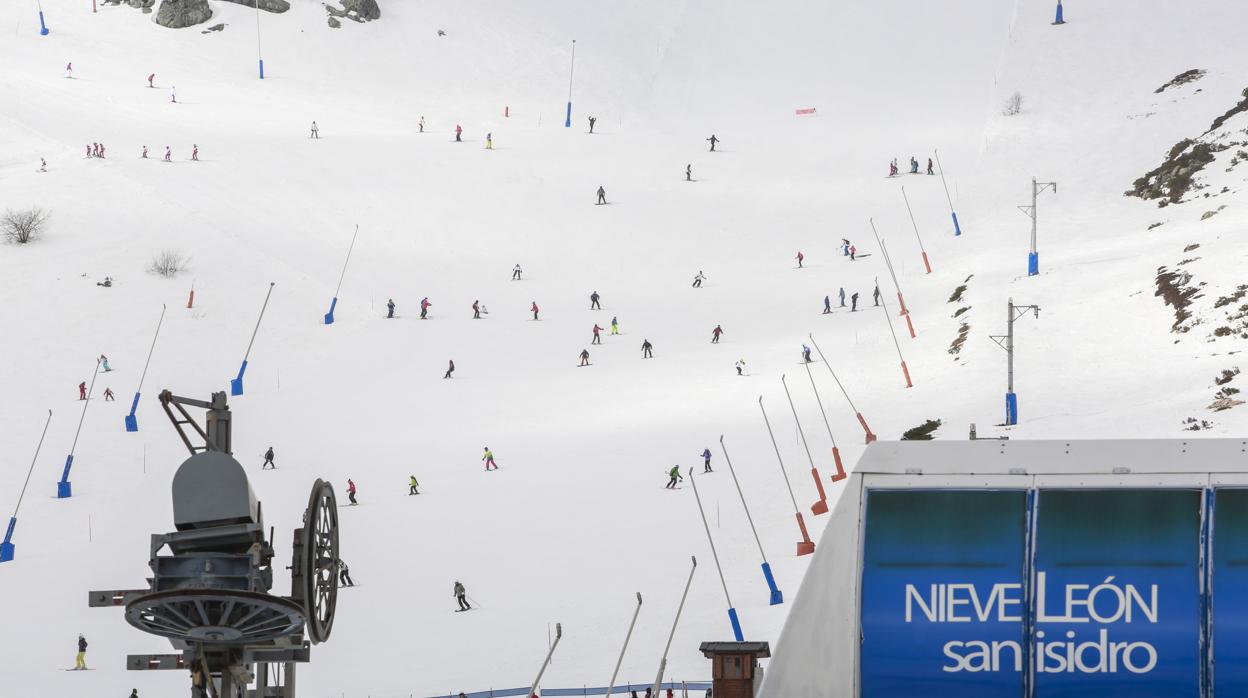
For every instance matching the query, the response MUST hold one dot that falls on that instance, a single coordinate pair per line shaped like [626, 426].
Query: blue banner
[1230, 598]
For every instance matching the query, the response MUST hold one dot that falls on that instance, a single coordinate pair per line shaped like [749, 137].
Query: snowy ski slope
[576, 519]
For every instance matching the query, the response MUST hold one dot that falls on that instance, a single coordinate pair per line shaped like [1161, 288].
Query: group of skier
[893, 169]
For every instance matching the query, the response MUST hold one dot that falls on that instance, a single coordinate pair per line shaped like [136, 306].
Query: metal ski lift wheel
[320, 560]
[215, 616]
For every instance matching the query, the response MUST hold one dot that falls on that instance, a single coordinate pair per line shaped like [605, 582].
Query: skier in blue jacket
[706, 460]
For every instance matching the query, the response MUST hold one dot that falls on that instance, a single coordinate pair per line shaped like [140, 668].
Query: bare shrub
[22, 226]
[1013, 104]
[169, 263]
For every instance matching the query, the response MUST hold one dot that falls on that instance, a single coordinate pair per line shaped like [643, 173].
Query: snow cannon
[210, 593]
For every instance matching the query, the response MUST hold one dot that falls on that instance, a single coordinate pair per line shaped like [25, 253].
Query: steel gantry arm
[217, 435]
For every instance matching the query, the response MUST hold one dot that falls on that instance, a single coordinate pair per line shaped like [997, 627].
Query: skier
[597, 337]
[841, 294]
[706, 460]
[101, 150]
[151, 80]
[459, 130]
[674, 475]
[104, 363]
[715, 333]
[390, 308]
[800, 258]
[316, 131]
[268, 459]
[194, 152]
[108, 395]
[43, 165]
[584, 357]
[689, 173]
[844, 247]
[344, 574]
[697, 280]
[106, 283]
[929, 167]
[853, 253]
[827, 305]
[647, 349]
[461, 596]
[515, 273]
[740, 366]
[615, 325]
[892, 168]
[534, 309]
[476, 310]
[69, 70]
[449, 369]
[875, 295]
[489, 459]
[592, 120]
[593, 301]
[424, 307]
[351, 491]
[82, 390]
[412, 485]
[168, 154]
[806, 353]
[489, 141]
[713, 141]
[134, 693]
[80, 662]
[602, 195]
[144, 156]
[422, 124]
[854, 299]
[173, 94]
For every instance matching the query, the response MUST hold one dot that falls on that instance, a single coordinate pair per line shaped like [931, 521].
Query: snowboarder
[602, 195]
[689, 173]
[713, 141]
[104, 363]
[389, 308]
[592, 120]
[82, 390]
[168, 154]
[841, 294]
[800, 258]
[853, 253]
[450, 368]
[597, 337]
[854, 300]
[929, 167]
[476, 310]
[806, 353]
[194, 152]
[316, 131]
[489, 459]
[459, 130]
[647, 349]
[344, 574]
[697, 280]
[268, 459]
[424, 307]
[461, 595]
[422, 124]
[489, 141]
[412, 485]
[80, 662]
[740, 367]
[515, 273]
[69, 70]
[351, 490]
[875, 295]
[173, 94]
[706, 460]
[584, 357]
[593, 301]
[534, 310]
[673, 475]
[108, 395]
[827, 304]
[715, 333]
[151, 80]
[144, 156]
[615, 325]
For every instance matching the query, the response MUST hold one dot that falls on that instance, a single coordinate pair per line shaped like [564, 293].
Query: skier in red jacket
[458, 131]
[82, 390]
[597, 337]
[534, 310]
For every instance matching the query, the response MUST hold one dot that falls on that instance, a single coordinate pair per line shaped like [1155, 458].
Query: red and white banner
[803, 112]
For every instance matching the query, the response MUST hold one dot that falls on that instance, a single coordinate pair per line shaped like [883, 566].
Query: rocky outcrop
[176, 14]
[355, 10]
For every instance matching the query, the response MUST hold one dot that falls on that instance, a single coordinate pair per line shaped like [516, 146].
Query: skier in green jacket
[674, 474]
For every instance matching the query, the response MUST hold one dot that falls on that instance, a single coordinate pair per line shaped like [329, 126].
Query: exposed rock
[1224, 403]
[176, 14]
[1181, 79]
[365, 9]
[214, 28]
[334, 23]
[266, 5]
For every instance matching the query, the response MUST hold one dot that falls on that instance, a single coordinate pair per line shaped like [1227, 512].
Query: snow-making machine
[209, 593]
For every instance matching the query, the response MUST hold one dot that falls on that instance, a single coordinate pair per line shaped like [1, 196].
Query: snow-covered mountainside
[1142, 306]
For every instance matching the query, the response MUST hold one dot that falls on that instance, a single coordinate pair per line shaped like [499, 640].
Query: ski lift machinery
[209, 594]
